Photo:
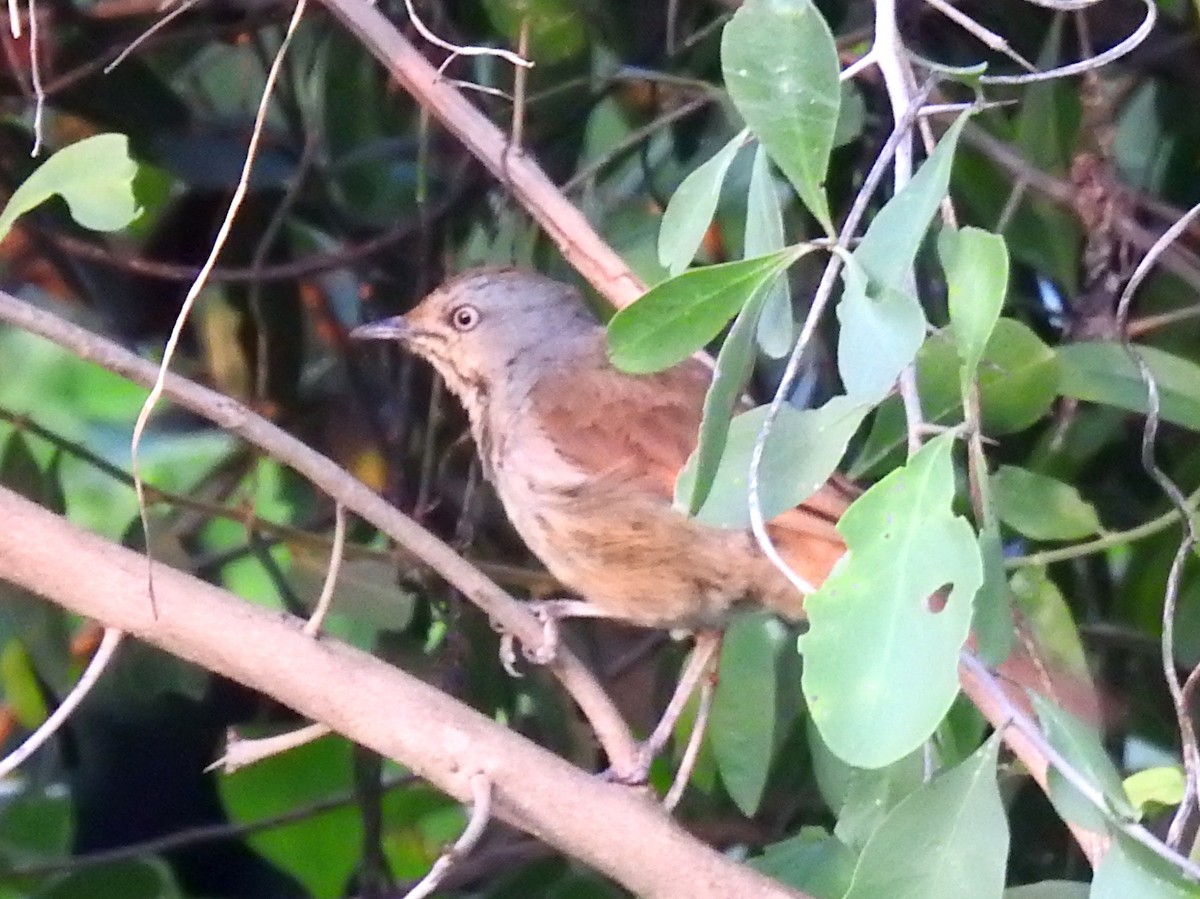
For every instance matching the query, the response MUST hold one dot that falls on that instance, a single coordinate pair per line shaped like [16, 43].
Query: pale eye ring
[464, 317]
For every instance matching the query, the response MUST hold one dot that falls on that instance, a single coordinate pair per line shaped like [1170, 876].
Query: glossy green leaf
[1104, 373]
[867, 795]
[976, 266]
[744, 723]
[882, 323]
[734, 364]
[993, 622]
[1152, 787]
[812, 861]
[94, 176]
[1080, 745]
[1129, 870]
[801, 452]
[556, 30]
[1040, 507]
[764, 234]
[1049, 889]
[676, 318]
[781, 70]
[881, 656]
[691, 209]
[1018, 382]
[320, 851]
[947, 840]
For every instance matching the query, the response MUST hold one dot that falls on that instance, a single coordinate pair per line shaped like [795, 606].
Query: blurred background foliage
[358, 205]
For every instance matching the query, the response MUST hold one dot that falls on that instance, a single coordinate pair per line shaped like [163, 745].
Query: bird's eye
[464, 317]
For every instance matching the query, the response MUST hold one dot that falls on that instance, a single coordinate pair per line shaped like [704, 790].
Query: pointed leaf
[676, 318]
[812, 861]
[1080, 745]
[1104, 373]
[95, 177]
[691, 209]
[801, 452]
[947, 840]
[881, 654]
[764, 234]
[1041, 507]
[781, 70]
[744, 722]
[976, 266]
[1129, 870]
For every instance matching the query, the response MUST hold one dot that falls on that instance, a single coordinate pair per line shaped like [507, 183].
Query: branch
[231, 415]
[374, 704]
[564, 223]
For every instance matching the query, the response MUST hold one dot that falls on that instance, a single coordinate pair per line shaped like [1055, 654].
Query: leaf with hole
[881, 653]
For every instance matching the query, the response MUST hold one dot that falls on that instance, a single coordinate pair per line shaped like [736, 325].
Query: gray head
[490, 327]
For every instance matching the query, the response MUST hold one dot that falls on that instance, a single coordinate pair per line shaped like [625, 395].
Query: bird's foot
[549, 612]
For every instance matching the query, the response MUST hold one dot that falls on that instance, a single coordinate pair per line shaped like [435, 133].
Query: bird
[584, 457]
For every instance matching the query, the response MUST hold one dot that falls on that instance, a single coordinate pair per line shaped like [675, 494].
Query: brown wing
[642, 430]
[638, 429]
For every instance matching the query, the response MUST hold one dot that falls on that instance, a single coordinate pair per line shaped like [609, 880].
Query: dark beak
[396, 328]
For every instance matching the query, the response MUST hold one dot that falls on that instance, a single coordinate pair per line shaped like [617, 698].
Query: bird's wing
[642, 430]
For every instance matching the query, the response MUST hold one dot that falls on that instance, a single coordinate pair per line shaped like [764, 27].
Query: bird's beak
[395, 328]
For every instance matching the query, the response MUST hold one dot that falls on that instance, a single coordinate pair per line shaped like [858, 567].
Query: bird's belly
[635, 557]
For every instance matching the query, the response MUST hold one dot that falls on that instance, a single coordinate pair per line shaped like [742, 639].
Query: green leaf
[1104, 373]
[1044, 611]
[734, 364]
[95, 177]
[1080, 745]
[21, 690]
[947, 840]
[319, 851]
[880, 657]
[556, 29]
[1040, 507]
[976, 266]
[801, 452]
[882, 323]
[993, 623]
[744, 726]
[1129, 870]
[1018, 381]
[133, 879]
[1049, 889]
[37, 825]
[781, 70]
[366, 588]
[691, 209]
[1156, 787]
[764, 234]
[676, 318]
[812, 861]
[870, 794]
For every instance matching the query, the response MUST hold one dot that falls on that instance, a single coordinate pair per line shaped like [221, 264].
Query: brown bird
[584, 457]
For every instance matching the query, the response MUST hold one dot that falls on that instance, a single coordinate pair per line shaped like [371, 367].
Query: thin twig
[687, 764]
[150, 32]
[241, 753]
[35, 77]
[312, 627]
[1183, 715]
[1030, 731]
[239, 194]
[48, 728]
[466, 50]
[481, 812]
[611, 729]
